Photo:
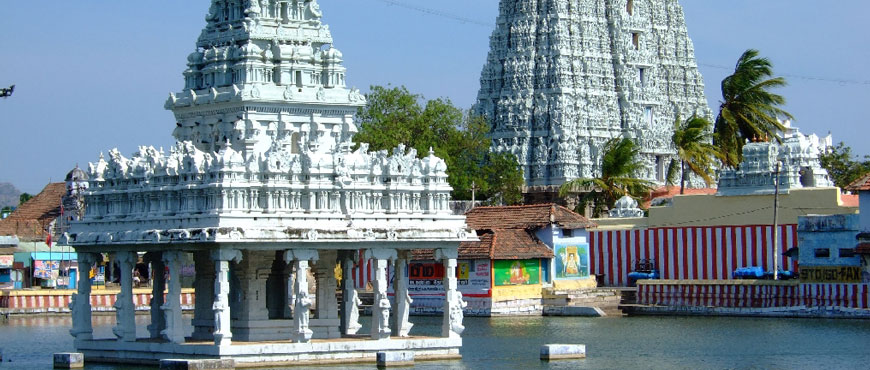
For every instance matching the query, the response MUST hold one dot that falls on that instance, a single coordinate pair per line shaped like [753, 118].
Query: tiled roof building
[31, 220]
[509, 232]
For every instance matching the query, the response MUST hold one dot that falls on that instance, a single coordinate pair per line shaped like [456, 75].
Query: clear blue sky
[93, 75]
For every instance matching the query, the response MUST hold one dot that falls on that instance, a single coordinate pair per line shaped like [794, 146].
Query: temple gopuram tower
[565, 76]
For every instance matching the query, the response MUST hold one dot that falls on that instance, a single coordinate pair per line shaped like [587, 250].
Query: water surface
[27, 342]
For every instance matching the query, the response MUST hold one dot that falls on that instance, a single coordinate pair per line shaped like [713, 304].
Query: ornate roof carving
[264, 150]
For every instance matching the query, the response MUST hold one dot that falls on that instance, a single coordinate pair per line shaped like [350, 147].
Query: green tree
[394, 116]
[843, 166]
[695, 152]
[748, 109]
[618, 166]
[23, 198]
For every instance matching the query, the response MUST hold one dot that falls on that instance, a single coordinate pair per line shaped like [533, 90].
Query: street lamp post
[775, 233]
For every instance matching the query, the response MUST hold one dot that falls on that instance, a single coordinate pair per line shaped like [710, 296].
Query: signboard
[473, 277]
[6, 261]
[46, 269]
[517, 272]
[572, 261]
[830, 274]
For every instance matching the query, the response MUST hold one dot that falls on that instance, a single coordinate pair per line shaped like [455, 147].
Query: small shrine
[794, 161]
[265, 190]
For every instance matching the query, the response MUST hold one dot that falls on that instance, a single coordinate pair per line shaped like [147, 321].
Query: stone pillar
[453, 303]
[252, 281]
[326, 322]
[403, 298]
[125, 311]
[350, 306]
[381, 305]
[302, 303]
[174, 331]
[80, 305]
[158, 285]
[204, 288]
[222, 333]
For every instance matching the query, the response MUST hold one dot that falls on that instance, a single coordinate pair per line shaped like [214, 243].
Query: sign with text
[46, 269]
[6, 261]
[473, 277]
[830, 274]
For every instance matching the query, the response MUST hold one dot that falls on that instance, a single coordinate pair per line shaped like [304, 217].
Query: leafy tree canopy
[748, 109]
[24, 197]
[695, 152]
[843, 166]
[619, 165]
[394, 116]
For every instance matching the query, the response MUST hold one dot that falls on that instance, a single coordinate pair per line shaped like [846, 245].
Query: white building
[264, 185]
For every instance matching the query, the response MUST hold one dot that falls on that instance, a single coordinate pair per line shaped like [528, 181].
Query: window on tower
[648, 115]
[635, 40]
[641, 76]
[629, 7]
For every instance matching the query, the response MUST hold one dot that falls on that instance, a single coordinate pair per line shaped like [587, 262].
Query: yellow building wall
[712, 210]
[578, 284]
[512, 292]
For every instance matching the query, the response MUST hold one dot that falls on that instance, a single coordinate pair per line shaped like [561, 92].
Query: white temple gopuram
[263, 189]
[564, 76]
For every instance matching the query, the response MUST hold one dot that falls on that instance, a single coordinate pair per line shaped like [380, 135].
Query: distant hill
[8, 195]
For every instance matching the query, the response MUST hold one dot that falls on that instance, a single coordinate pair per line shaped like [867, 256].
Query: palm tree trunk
[682, 177]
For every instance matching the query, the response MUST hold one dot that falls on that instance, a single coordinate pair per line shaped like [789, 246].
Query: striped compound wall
[736, 295]
[688, 253]
[59, 301]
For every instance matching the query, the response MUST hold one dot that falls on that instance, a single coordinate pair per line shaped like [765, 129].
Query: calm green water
[513, 343]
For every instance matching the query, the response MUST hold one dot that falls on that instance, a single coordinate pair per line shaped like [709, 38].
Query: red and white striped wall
[688, 253]
[710, 294]
[99, 301]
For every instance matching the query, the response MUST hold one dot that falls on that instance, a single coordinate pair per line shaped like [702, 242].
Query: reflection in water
[514, 342]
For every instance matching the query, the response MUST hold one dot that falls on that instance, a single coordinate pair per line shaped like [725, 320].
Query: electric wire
[443, 14]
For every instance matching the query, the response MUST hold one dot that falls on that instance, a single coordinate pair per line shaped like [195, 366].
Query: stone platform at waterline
[274, 353]
[263, 190]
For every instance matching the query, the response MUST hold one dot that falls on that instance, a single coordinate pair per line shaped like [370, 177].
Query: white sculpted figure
[352, 307]
[301, 313]
[456, 314]
[404, 325]
[384, 313]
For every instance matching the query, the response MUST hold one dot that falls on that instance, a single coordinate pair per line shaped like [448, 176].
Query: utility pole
[775, 233]
[474, 189]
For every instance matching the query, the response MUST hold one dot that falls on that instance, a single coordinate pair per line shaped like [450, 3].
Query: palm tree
[695, 152]
[748, 110]
[618, 165]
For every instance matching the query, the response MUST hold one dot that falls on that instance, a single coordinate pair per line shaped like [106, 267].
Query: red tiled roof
[516, 244]
[524, 217]
[861, 184]
[30, 219]
[849, 200]
[499, 244]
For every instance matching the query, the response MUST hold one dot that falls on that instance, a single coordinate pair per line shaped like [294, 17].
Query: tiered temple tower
[565, 76]
[263, 190]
